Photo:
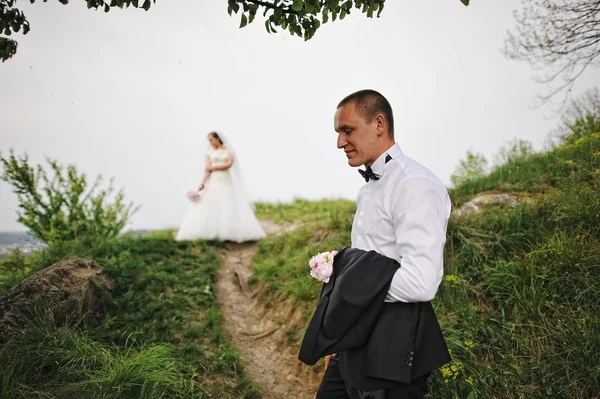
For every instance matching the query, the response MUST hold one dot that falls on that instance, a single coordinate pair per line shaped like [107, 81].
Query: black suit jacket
[380, 344]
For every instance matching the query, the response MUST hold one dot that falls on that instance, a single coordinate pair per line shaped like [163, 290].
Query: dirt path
[259, 333]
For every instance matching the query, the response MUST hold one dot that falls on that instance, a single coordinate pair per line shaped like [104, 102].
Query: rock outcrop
[484, 200]
[69, 289]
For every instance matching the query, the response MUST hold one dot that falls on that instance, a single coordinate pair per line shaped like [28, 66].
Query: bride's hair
[216, 135]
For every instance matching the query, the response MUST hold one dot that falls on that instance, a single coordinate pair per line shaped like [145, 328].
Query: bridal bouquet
[193, 195]
[321, 265]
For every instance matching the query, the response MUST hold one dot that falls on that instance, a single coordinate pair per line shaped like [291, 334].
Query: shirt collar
[378, 166]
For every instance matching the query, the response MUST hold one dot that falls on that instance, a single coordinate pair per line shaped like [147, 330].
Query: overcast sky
[131, 95]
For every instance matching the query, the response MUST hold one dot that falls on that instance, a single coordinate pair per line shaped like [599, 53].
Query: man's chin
[354, 163]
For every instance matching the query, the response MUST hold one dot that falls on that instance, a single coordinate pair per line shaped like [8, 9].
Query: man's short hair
[370, 103]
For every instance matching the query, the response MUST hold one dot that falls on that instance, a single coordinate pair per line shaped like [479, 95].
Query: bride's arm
[206, 172]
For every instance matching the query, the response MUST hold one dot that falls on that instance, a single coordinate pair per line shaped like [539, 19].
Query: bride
[224, 210]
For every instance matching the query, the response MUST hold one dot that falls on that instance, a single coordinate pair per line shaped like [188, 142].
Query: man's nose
[341, 141]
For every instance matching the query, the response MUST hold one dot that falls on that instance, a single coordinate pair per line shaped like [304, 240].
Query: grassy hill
[162, 336]
[519, 304]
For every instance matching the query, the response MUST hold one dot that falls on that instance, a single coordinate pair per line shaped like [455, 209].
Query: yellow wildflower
[452, 371]
[569, 162]
[446, 372]
[469, 345]
[27, 270]
[469, 380]
[452, 279]
[581, 140]
[596, 135]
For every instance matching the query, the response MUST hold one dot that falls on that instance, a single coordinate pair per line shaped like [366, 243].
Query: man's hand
[328, 359]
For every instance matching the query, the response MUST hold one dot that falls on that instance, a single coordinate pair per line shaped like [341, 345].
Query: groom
[402, 213]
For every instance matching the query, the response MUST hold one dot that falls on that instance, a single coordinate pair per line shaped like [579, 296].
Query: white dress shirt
[404, 216]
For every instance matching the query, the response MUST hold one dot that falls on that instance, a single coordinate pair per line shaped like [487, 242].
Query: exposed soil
[260, 333]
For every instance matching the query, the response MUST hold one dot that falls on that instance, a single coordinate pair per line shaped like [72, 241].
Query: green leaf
[297, 5]
[380, 10]
[244, 21]
[465, 2]
[271, 21]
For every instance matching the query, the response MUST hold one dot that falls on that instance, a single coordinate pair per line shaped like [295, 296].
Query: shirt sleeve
[420, 209]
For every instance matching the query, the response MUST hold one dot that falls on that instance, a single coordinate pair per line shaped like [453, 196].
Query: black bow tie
[368, 174]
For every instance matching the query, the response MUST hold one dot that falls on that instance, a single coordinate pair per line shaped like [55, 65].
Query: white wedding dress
[221, 213]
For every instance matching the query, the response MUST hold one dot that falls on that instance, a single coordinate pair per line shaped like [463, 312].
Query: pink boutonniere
[321, 265]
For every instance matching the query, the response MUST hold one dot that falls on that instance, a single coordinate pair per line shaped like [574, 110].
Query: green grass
[281, 262]
[162, 335]
[541, 172]
[520, 301]
[301, 210]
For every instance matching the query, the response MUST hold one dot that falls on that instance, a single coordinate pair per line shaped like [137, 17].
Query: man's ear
[381, 124]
